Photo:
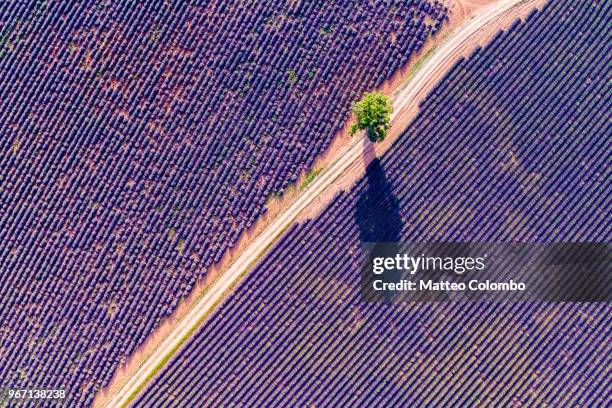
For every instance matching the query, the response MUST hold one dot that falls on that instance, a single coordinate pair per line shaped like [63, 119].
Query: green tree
[373, 113]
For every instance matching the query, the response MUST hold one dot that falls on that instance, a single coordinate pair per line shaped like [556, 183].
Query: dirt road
[420, 83]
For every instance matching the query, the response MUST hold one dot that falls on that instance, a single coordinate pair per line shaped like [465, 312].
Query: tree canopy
[373, 113]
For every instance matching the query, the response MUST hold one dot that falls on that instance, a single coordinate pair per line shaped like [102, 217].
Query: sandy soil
[460, 11]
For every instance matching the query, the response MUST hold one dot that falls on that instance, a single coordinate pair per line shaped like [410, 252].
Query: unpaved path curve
[345, 158]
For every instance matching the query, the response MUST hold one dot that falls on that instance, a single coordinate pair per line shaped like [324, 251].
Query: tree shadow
[377, 210]
[377, 213]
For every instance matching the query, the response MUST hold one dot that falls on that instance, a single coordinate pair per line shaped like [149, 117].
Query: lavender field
[512, 145]
[140, 139]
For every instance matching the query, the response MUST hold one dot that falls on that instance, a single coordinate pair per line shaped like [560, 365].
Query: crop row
[512, 145]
